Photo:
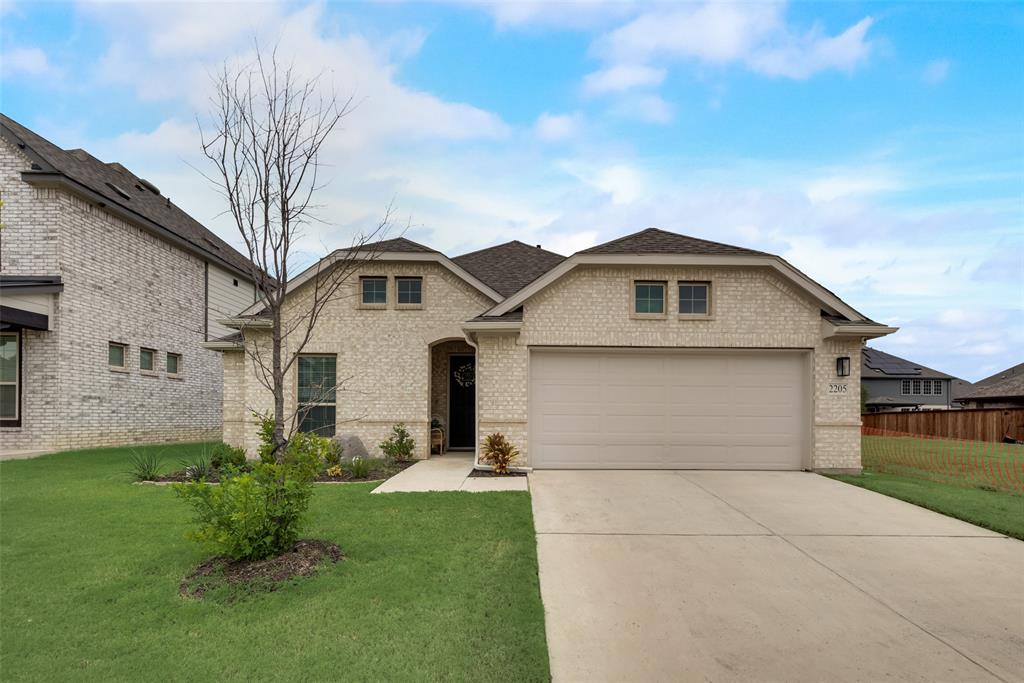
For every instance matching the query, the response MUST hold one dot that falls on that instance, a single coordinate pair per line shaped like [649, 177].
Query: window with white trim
[921, 387]
[173, 363]
[317, 393]
[10, 378]
[147, 359]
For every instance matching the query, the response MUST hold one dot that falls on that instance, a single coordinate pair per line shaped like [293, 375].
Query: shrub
[334, 453]
[145, 465]
[360, 468]
[399, 446]
[223, 455]
[499, 452]
[258, 514]
[196, 469]
[334, 471]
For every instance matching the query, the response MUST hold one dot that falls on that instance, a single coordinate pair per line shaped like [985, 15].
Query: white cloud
[646, 108]
[569, 243]
[621, 77]
[27, 61]
[801, 57]
[936, 71]
[865, 181]
[755, 35]
[575, 14]
[558, 127]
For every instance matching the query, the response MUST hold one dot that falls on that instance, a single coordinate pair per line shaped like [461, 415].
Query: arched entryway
[453, 394]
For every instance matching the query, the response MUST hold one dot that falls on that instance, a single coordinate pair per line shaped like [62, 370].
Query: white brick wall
[120, 284]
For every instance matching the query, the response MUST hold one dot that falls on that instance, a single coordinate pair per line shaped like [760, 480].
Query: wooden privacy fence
[981, 424]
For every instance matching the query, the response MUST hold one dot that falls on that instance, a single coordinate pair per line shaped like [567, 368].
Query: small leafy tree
[400, 446]
[498, 452]
[257, 514]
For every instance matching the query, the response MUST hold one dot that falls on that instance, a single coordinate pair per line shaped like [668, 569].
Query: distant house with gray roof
[1005, 389]
[893, 383]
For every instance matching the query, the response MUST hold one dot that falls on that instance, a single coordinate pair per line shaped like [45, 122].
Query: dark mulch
[303, 559]
[381, 472]
[378, 472]
[492, 473]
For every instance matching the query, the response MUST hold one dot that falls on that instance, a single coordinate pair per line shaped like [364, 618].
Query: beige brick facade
[751, 308]
[384, 359]
[386, 353]
[121, 284]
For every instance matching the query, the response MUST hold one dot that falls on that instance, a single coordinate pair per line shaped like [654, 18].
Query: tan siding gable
[225, 299]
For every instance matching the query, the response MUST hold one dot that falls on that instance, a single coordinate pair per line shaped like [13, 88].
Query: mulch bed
[375, 474]
[303, 559]
[491, 473]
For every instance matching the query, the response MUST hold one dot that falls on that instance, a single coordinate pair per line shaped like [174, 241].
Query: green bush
[223, 455]
[258, 514]
[359, 467]
[399, 446]
[145, 465]
[334, 453]
[196, 469]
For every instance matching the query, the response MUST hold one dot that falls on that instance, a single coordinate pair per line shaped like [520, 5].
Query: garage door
[651, 409]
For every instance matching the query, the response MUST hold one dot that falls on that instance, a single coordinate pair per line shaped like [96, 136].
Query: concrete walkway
[449, 472]
[768, 576]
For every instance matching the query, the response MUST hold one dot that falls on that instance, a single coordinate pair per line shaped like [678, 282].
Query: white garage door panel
[641, 409]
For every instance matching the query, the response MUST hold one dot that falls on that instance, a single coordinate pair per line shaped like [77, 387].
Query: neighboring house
[107, 291]
[1002, 390]
[655, 350]
[894, 383]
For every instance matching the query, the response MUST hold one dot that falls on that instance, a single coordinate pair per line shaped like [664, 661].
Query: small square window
[115, 355]
[410, 290]
[693, 298]
[173, 363]
[649, 297]
[375, 290]
[146, 357]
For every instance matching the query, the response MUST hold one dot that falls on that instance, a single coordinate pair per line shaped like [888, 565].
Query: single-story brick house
[655, 350]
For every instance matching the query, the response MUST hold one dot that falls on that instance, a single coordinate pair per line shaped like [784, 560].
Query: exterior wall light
[843, 366]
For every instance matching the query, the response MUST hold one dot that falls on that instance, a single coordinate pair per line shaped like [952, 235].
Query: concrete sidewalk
[449, 472]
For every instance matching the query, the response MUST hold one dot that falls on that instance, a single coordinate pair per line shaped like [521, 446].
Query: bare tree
[267, 130]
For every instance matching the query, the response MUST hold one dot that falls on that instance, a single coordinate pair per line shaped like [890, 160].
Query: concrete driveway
[768, 576]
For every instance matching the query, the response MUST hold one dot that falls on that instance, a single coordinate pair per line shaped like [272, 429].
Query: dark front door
[461, 401]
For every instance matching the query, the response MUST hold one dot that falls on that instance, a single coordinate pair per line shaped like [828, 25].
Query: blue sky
[877, 146]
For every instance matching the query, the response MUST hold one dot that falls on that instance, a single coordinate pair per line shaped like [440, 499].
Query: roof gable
[509, 267]
[119, 186]
[1005, 384]
[655, 241]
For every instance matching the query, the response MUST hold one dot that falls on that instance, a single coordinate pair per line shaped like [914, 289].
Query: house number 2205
[834, 388]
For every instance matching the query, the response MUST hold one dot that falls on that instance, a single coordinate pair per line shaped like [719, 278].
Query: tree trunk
[278, 377]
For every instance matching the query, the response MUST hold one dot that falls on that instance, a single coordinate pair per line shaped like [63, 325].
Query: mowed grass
[996, 510]
[965, 463]
[436, 586]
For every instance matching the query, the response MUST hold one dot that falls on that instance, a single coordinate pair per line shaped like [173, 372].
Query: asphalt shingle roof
[1006, 384]
[655, 241]
[119, 186]
[875, 363]
[507, 268]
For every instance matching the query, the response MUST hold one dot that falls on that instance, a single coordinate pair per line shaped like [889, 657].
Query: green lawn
[951, 461]
[997, 510]
[437, 586]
